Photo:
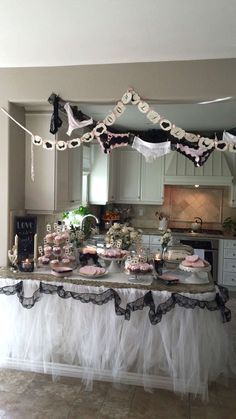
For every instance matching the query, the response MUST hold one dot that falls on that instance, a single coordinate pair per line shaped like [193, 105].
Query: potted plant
[229, 225]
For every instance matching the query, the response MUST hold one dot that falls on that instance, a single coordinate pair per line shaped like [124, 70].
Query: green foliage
[229, 224]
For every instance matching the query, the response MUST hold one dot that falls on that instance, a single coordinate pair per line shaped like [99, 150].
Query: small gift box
[26, 265]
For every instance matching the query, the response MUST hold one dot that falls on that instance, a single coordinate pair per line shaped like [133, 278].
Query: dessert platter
[114, 255]
[92, 271]
[197, 268]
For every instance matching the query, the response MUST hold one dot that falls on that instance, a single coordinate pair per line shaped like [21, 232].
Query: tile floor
[27, 395]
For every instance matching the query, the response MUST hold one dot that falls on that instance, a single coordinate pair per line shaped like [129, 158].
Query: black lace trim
[155, 313]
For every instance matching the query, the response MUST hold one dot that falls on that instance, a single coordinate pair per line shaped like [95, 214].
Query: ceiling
[76, 32]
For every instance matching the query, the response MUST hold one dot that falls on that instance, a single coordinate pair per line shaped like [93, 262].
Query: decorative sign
[25, 228]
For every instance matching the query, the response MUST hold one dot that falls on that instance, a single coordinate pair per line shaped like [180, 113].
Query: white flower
[133, 235]
[125, 230]
[116, 226]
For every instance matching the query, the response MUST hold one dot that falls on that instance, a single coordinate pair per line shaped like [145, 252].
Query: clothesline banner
[129, 97]
[194, 146]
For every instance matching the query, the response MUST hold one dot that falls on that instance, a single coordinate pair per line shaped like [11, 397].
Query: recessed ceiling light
[220, 99]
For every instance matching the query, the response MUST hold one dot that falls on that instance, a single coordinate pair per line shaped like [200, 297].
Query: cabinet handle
[232, 279]
[233, 266]
[72, 200]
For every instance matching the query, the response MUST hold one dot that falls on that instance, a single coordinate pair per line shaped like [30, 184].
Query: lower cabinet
[227, 263]
[151, 243]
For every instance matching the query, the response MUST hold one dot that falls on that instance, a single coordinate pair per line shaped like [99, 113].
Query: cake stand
[114, 265]
[196, 276]
[139, 276]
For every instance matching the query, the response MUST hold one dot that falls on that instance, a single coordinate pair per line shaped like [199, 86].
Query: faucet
[86, 216]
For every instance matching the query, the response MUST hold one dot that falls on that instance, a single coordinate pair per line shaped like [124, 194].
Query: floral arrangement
[123, 236]
[165, 239]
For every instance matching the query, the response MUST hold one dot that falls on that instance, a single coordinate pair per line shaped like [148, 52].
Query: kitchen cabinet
[102, 176]
[227, 263]
[137, 181]
[231, 160]
[58, 174]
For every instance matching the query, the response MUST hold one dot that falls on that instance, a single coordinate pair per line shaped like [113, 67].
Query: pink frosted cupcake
[66, 262]
[43, 260]
[47, 251]
[49, 238]
[56, 250]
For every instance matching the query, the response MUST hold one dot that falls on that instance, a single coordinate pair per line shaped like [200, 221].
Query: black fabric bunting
[155, 313]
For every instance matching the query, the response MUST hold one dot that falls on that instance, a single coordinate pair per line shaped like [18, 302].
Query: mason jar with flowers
[123, 236]
[165, 241]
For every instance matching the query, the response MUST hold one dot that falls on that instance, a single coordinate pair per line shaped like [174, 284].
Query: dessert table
[149, 334]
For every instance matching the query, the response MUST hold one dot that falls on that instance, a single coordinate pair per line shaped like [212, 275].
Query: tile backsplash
[182, 204]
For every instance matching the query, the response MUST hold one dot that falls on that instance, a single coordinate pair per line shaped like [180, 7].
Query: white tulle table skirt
[187, 348]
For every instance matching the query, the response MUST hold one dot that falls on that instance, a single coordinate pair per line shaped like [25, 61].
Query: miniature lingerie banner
[73, 123]
[56, 121]
[151, 151]
[155, 313]
[109, 140]
[198, 156]
[76, 118]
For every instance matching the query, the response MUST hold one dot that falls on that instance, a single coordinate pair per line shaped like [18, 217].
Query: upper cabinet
[58, 174]
[102, 176]
[179, 170]
[231, 160]
[137, 181]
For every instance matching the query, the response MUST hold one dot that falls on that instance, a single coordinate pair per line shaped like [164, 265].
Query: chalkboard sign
[25, 228]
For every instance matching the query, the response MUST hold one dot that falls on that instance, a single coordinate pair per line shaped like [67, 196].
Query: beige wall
[178, 81]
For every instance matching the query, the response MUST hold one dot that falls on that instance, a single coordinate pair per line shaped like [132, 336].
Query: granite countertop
[157, 232]
[156, 285]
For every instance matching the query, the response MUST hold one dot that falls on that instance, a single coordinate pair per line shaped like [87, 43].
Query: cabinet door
[152, 181]
[68, 188]
[102, 179]
[128, 176]
[69, 172]
[39, 195]
[58, 174]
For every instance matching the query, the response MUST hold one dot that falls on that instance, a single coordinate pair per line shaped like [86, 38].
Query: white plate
[93, 276]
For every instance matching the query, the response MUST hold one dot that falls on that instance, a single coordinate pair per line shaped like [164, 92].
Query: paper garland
[132, 97]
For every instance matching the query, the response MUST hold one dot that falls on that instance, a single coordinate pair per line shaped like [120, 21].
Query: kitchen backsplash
[182, 204]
